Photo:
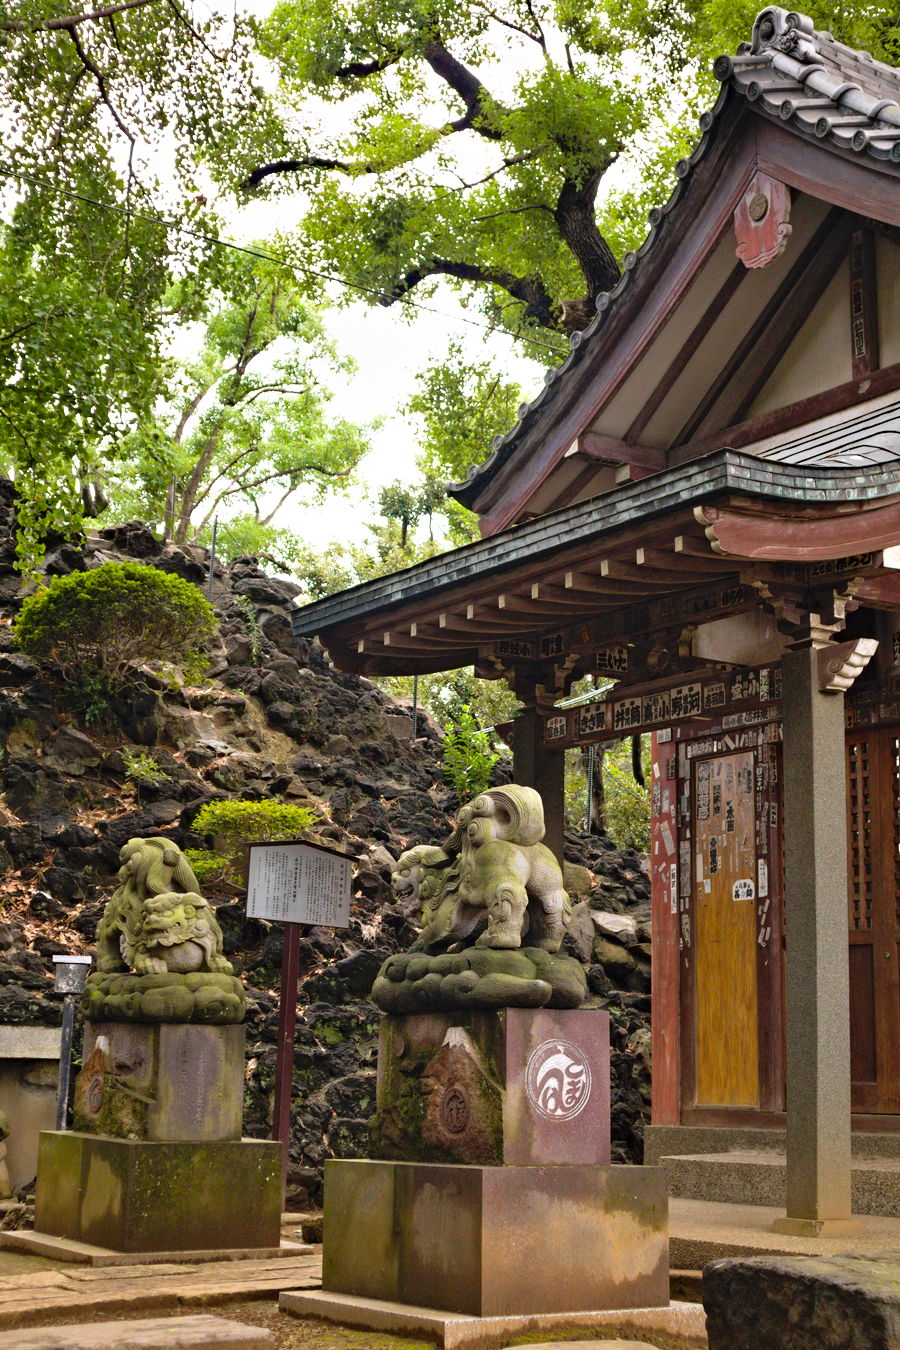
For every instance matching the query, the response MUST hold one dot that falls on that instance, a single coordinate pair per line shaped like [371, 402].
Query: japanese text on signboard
[298, 883]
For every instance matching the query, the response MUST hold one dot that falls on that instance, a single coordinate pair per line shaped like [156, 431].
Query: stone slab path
[201, 1332]
[79, 1289]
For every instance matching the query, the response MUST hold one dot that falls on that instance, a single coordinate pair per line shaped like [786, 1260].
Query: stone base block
[497, 1240]
[680, 1325]
[142, 1196]
[163, 1081]
[520, 1086]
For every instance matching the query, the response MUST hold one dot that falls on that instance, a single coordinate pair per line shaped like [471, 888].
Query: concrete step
[757, 1177]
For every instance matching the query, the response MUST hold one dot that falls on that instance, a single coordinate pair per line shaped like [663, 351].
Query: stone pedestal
[170, 1080]
[498, 1198]
[136, 1195]
[520, 1086]
[156, 1161]
[491, 1241]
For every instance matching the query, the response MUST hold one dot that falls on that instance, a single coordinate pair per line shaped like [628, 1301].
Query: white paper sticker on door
[744, 890]
[762, 872]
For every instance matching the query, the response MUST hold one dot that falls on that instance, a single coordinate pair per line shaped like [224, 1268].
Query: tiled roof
[586, 524]
[818, 85]
[790, 72]
[859, 440]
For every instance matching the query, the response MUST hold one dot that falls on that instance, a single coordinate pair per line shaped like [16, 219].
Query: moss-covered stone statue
[159, 947]
[490, 888]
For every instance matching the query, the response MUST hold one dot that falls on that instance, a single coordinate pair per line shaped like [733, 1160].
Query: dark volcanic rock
[803, 1303]
[272, 721]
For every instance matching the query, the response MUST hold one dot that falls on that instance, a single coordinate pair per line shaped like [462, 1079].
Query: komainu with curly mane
[157, 920]
[159, 946]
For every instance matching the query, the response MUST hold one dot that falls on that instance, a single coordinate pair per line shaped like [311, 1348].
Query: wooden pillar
[817, 977]
[534, 765]
[665, 1018]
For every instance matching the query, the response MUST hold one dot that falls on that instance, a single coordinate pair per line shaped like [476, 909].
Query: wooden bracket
[761, 221]
[841, 663]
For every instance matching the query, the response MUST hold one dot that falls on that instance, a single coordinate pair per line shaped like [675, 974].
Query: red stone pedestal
[518, 1087]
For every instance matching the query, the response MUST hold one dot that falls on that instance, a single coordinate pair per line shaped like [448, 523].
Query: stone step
[701, 1231]
[200, 1332]
[757, 1177]
[677, 1140]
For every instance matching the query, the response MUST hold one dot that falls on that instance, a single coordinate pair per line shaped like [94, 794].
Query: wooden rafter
[723, 296]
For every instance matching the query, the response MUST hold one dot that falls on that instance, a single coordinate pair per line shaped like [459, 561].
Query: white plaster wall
[819, 356]
[888, 271]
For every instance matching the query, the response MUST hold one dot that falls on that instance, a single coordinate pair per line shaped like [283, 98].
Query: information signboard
[299, 883]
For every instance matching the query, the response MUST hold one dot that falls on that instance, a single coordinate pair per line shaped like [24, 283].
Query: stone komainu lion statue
[493, 884]
[156, 920]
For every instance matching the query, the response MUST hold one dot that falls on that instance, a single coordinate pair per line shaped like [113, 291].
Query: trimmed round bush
[94, 625]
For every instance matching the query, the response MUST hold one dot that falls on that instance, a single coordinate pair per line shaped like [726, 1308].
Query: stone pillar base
[820, 1227]
[493, 1241]
[141, 1196]
[169, 1080]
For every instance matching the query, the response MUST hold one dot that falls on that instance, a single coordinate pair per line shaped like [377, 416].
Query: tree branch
[90, 65]
[514, 211]
[69, 21]
[359, 70]
[466, 84]
[530, 291]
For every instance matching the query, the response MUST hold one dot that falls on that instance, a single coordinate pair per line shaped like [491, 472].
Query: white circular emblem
[557, 1080]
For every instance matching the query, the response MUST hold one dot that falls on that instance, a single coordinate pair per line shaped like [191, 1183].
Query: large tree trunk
[577, 224]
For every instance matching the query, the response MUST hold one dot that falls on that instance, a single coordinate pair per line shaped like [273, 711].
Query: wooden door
[726, 1053]
[873, 820]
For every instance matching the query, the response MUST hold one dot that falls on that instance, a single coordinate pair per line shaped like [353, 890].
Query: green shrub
[93, 625]
[142, 769]
[236, 824]
[469, 758]
[205, 865]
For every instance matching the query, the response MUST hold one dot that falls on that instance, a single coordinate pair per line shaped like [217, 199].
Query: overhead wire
[152, 219]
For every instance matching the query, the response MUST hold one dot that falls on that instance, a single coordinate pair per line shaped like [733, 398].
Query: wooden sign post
[294, 884]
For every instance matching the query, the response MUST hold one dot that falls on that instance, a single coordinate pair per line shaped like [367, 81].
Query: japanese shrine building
[703, 502]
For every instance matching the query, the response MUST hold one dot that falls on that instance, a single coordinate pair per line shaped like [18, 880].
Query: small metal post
[70, 976]
[212, 558]
[284, 1060]
[415, 706]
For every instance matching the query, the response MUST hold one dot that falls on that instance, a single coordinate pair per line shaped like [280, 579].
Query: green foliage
[245, 424]
[93, 109]
[206, 865]
[407, 504]
[462, 404]
[236, 824]
[468, 757]
[445, 694]
[254, 633]
[626, 805]
[481, 134]
[142, 769]
[93, 626]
